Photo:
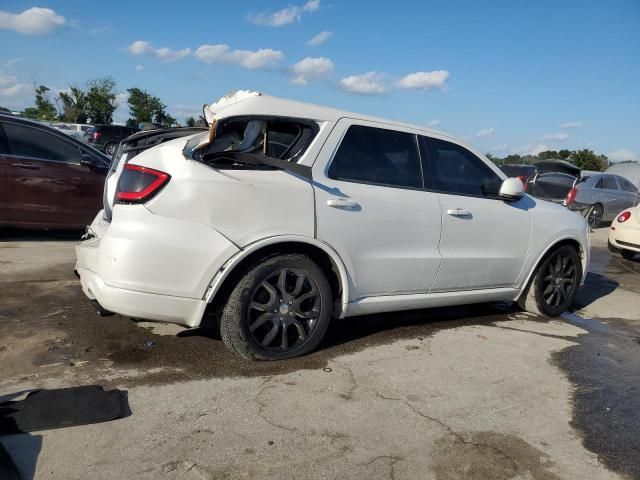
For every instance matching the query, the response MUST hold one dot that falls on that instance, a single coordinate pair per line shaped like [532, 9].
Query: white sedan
[624, 235]
[282, 215]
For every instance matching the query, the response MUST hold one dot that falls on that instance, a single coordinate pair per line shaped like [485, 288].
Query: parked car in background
[597, 196]
[624, 235]
[107, 137]
[601, 196]
[523, 172]
[76, 130]
[285, 214]
[47, 179]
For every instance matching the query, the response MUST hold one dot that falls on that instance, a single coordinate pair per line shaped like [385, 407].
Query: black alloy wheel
[594, 215]
[560, 280]
[280, 308]
[284, 310]
[554, 283]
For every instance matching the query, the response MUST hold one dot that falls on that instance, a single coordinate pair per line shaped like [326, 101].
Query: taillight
[523, 179]
[138, 184]
[624, 216]
[571, 196]
[96, 135]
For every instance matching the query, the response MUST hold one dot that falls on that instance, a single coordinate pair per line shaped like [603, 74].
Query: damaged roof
[243, 102]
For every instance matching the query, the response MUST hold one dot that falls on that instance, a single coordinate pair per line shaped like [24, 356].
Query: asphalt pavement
[475, 392]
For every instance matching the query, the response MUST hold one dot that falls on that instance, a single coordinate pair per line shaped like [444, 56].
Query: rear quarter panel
[244, 205]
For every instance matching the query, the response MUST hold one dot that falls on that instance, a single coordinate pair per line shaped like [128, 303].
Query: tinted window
[454, 169]
[610, 183]
[32, 142]
[627, 186]
[376, 155]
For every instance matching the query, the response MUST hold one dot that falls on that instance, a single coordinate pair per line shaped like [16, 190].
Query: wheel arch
[322, 254]
[573, 241]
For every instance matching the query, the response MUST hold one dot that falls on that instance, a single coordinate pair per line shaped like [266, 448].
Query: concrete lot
[466, 393]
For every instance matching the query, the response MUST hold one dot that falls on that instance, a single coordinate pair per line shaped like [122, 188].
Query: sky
[508, 76]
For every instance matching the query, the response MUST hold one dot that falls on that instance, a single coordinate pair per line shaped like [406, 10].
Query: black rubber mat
[64, 407]
[8, 469]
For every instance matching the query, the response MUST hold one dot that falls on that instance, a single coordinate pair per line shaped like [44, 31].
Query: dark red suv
[47, 178]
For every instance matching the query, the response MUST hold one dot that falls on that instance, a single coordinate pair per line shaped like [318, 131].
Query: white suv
[283, 214]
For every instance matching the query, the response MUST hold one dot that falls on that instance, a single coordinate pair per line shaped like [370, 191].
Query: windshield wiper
[226, 159]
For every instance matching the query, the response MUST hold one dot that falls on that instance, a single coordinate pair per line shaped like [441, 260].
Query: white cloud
[284, 16]
[139, 68]
[621, 155]
[556, 137]
[530, 149]
[571, 125]
[433, 123]
[424, 80]
[484, 132]
[34, 21]
[502, 147]
[320, 38]
[370, 83]
[310, 68]
[142, 47]
[263, 58]
[10, 86]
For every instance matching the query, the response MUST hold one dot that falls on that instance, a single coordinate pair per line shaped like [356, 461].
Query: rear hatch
[553, 180]
[129, 148]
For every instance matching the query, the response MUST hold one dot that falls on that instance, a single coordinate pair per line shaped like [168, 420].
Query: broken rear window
[274, 137]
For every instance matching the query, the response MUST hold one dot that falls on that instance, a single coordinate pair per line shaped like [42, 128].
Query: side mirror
[511, 190]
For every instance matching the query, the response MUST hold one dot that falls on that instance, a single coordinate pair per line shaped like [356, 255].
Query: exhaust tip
[103, 312]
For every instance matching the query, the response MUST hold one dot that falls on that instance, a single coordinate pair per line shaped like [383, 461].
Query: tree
[101, 99]
[44, 108]
[564, 154]
[549, 155]
[587, 160]
[164, 119]
[190, 121]
[145, 107]
[74, 105]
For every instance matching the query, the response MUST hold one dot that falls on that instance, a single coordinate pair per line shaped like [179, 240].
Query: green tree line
[584, 159]
[96, 102]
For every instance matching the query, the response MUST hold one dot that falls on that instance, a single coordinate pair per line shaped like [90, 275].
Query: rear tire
[594, 215]
[280, 308]
[554, 283]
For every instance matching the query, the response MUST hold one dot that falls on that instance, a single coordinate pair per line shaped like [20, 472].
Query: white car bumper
[149, 266]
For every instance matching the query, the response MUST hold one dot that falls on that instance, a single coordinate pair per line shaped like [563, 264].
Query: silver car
[602, 196]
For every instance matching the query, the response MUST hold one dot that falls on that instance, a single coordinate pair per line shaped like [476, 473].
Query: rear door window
[377, 156]
[627, 186]
[610, 183]
[453, 169]
[24, 141]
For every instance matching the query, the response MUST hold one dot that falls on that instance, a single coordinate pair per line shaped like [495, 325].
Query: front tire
[554, 284]
[279, 309]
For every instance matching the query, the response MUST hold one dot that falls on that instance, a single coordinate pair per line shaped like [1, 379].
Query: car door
[484, 240]
[613, 197]
[629, 193]
[46, 182]
[4, 189]
[372, 208]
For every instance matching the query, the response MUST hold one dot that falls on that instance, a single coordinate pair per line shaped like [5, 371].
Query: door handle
[458, 212]
[343, 203]
[26, 166]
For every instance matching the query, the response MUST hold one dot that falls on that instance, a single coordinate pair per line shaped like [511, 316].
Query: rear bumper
[164, 308]
[149, 266]
[625, 238]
